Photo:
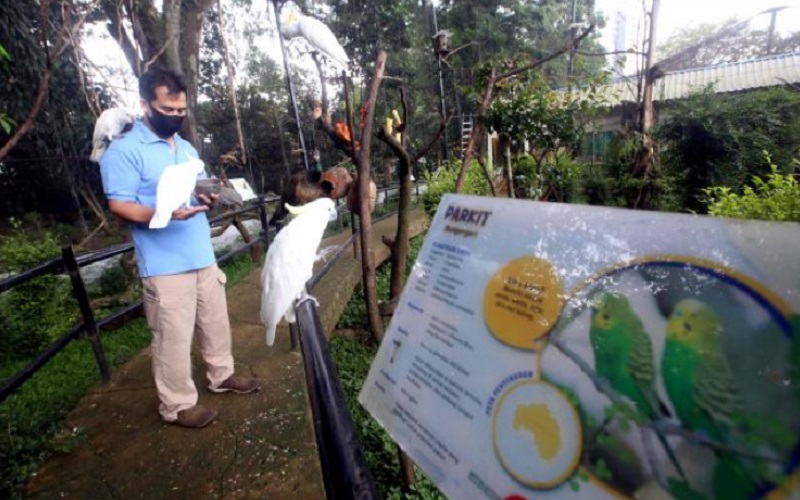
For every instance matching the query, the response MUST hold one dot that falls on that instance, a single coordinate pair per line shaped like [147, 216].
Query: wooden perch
[365, 216]
[324, 120]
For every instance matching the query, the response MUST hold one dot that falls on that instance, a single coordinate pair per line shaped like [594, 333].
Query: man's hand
[188, 213]
[208, 200]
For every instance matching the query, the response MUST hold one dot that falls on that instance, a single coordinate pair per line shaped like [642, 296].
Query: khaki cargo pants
[178, 307]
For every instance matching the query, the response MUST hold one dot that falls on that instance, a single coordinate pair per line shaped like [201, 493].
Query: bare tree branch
[445, 58]
[323, 121]
[487, 99]
[91, 102]
[231, 82]
[613, 53]
[163, 49]
[116, 30]
[427, 148]
[487, 175]
[62, 41]
[535, 64]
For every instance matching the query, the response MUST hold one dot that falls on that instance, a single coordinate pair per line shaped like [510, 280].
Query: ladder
[466, 132]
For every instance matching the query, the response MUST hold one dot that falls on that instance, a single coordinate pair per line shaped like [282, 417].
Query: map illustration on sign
[537, 434]
[561, 351]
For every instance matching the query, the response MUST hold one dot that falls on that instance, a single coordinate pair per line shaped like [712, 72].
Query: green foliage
[111, 282]
[37, 312]
[557, 178]
[355, 314]
[353, 358]
[41, 170]
[5, 121]
[775, 197]
[553, 124]
[526, 108]
[443, 181]
[717, 140]
[19, 250]
[34, 414]
[238, 268]
[508, 28]
[614, 182]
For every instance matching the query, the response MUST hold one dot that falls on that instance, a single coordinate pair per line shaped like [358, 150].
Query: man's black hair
[160, 77]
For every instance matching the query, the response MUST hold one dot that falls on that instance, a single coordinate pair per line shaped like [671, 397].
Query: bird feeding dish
[208, 187]
[336, 182]
[441, 43]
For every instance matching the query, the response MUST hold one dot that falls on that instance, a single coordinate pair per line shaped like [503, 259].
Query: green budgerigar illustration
[703, 391]
[623, 351]
[623, 355]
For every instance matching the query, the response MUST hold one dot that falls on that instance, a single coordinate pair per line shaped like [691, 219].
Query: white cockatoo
[109, 125]
[290, 261]
[175, 188]
[317, 34]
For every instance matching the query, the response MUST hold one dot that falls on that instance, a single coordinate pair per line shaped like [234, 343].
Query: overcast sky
[675, 14]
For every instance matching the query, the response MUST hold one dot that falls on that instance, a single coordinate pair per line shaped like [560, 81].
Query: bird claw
[324, 253]
[306, 297]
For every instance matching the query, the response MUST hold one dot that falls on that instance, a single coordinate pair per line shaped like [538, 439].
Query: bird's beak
[295, 210]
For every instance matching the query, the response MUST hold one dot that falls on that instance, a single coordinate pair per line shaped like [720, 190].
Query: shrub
[443, 181]
[717, 140]
[36, 312]
[34, 413]
[775, 197]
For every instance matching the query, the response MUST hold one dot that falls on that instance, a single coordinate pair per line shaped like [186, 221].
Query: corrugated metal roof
[733, 77]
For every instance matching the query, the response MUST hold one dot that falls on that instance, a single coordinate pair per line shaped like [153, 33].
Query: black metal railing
[345, 473]
[89, 326]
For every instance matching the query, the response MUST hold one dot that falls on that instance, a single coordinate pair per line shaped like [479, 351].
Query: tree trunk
[365, 216]
[232, 86]
[172, 27]
[192, 15]
[399, 247]
[509, 172]
[173, 41]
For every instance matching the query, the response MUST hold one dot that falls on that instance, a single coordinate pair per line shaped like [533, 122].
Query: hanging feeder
[441, 43]
[336, 182]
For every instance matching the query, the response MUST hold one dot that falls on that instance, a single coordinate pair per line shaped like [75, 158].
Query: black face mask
[164, 125]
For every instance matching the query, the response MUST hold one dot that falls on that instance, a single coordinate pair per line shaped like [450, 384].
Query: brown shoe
[239, 385]
[195, 417]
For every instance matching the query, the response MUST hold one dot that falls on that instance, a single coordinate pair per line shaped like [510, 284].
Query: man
[184, 290]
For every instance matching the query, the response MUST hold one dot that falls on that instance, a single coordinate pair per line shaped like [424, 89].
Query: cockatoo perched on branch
[290, 261]
[109, 125]
[175, 188]
[319, 36]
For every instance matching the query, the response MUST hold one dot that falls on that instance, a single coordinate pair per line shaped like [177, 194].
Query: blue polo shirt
[130, 169]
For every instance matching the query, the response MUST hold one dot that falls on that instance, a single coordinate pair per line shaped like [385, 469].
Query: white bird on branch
[290, 262]
[108, 127]
[317, 34]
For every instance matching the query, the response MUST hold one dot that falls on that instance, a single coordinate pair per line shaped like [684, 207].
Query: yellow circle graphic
[522, 301]
[537, 434]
